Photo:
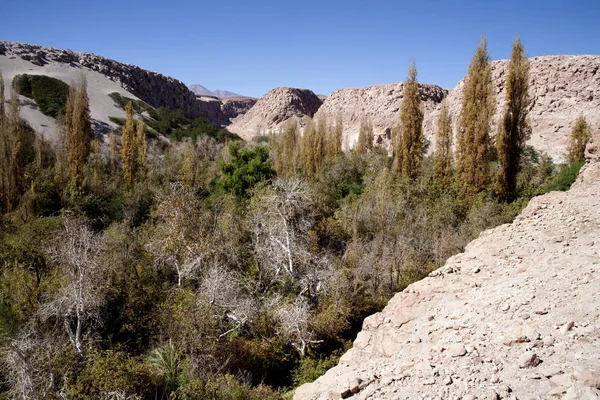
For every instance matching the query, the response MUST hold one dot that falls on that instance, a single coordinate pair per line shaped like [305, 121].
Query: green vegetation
[202, 269]
[49, 93]
[172, 123]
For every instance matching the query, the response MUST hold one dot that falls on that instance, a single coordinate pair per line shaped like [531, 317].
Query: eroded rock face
[380, 104]
[517, 315]
[561, 88]
[235, 107]
[155, 89]
[271, 112]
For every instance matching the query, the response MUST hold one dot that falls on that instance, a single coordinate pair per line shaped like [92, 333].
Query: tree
[12, 151]
[478, 106]
[333, 143]
[78, 133]
[580, 135]
[442, 159]
[365, 137]
[128, 147]
[246, 168]
[309, 140]
[287, 157]
[113, 153]
[514, 129]
[411, 125]
[75, 252]
[142, 149]
[320, 142]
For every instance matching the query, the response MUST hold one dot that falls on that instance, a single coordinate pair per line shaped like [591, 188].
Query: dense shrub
[49, 93]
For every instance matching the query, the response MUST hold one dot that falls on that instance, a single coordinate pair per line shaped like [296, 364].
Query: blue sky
[250, 47]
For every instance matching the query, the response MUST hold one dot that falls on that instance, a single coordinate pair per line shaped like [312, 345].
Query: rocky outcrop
[235, 107]
[274, 108]
[561, 88]
[516, 316]
[155, 89]
[380, 104]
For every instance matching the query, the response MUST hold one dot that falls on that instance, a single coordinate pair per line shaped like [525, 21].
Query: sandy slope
[99, 86]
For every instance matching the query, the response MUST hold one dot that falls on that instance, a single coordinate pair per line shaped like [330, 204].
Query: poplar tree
[128, 153]
[320, 142]
[113, 153]
[411, 126]
[580, 135]
[514, 129]
[365, 137]
[442, 158]
[287, 157]
[142, 149]
[478, 106]
[309, 148]
[78, 133]
[333, 143]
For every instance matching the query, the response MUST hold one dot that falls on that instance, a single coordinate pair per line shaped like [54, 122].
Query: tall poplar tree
[474, 124]
[309, 148]
[78, 133]
[514, 129]
[365, 137]
[442, 157]
[334, 138]
[411, 126]
[580, 135]
[288, 145]
[128, 147]
[142, 149]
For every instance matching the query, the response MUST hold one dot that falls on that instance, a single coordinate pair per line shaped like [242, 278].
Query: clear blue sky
[251, 47]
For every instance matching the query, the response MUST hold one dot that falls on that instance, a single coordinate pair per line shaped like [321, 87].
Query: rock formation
[235, 107]
[274, 108]
[561, 89]
[381, 105]
[155, 89]
[516, 316]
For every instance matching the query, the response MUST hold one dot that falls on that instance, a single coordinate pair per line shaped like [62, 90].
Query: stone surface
[270, 113]
[405, 349]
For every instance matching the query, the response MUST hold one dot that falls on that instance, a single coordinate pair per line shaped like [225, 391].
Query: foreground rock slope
[516, 316]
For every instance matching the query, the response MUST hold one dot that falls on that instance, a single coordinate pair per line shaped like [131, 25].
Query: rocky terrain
[235, 107]
[155, 89]
[561, 89]
[270, 113]
[200, 90]
[381, 105]
[516, 316]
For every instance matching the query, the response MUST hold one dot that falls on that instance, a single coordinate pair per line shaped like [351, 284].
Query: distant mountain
[225, 93]
[200, 90]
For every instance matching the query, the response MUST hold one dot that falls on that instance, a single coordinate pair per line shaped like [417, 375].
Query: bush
[50, 94]
[564, 179]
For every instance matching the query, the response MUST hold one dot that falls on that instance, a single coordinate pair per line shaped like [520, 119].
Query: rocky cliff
[274, 108]
[516, 316]
[381, 105]
[561, 89]
[235, 107]
[155, 89]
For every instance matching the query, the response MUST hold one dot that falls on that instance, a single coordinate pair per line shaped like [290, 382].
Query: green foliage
[224, 388]
[515, 129]
[138, 105]
[410, 146]
[580, 135]
[564, 179]
[49, 93]
[246, 169]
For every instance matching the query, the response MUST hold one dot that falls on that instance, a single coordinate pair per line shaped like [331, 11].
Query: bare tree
[227, 297]
[176, 241]
[75, 250]
[292, 318]
[281, 221]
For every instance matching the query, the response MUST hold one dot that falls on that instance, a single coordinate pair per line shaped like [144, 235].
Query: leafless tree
[292, 319]
[281, 221]
[75, 250]
[227, 297]
[176, 240]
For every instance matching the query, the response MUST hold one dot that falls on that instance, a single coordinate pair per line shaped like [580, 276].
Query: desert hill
[561, 89]
[516, 316]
